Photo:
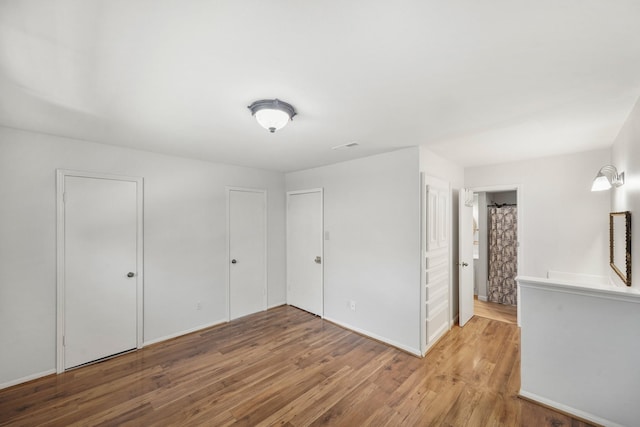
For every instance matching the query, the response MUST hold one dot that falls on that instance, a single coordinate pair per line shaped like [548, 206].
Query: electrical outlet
[352, 305]
[199, 305]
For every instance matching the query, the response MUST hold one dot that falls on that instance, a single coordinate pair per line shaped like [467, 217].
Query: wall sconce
[272, 114]
[607, 177]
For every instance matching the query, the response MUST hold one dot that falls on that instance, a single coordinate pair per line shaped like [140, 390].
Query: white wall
[564, 225]
[625, 155]
[371, 211]
[580, 349]
[185, 240]
[437, 166]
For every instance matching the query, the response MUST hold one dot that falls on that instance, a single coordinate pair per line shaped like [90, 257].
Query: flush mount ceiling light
[607, 177]
[272, 114]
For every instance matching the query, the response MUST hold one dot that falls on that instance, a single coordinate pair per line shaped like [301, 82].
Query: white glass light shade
[272, 120]
[600, 183]
[272, 114]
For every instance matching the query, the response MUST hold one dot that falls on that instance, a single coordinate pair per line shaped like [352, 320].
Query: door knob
[464, 264]
[233, 261]
[130, 274]
[318, 260]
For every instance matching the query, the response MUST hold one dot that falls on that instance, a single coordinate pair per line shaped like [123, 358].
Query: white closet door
[100, 292]
[304, 250]
[247, 252]
[437, 265]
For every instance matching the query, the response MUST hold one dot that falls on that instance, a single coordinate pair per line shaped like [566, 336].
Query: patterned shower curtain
[503, 254]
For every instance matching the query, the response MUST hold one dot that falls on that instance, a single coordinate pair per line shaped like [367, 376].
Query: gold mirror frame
[616, 264]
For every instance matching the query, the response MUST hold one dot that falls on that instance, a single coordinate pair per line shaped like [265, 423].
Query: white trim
[451, 266]
[423, 265]
[27, 378]
[310, 190]
[414, 351]
[616, 293]
[185, 332]
[61, 174]
[569, 410]
[483, 298]
[60, 273]
[293, 193]
[265, 291]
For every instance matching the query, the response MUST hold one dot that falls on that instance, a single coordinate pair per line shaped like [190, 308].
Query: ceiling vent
[345, 146]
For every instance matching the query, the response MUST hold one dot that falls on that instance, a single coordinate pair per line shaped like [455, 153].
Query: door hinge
[63, 342]
[64, 197]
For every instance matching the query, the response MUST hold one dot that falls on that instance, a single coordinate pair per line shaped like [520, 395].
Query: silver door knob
[318, 260]
[130, 274]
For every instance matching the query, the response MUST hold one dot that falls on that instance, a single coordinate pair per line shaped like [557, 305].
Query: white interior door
[247, 252]
[436, 277]
[465, 261]
[100, 268]
[305, 250]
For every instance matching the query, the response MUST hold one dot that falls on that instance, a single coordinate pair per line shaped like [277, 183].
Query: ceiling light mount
[606, 178]
[272, 114]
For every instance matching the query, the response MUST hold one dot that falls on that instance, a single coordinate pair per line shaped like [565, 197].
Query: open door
[465, 259]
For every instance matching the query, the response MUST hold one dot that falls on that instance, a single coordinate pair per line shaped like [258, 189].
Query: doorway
[99, 266]
[305, 225]
[502, 246]
[247, 251]
[494, 242]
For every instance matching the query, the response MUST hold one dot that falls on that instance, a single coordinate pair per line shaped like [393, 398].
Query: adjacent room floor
[288, 367]
[495, 311]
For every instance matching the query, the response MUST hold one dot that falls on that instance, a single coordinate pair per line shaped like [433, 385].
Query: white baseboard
[568, 410]
[403, 347]
[187, 331]
[27, 378]
[277, 304]
[483, 298]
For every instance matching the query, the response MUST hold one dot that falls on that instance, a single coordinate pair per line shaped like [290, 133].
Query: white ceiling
[478, 82]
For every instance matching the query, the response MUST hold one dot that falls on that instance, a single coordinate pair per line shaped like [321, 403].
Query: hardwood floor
[287, 367]
[500, 312]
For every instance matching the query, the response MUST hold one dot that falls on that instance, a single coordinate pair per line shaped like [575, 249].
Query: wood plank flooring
[495, 311]
[287, 367]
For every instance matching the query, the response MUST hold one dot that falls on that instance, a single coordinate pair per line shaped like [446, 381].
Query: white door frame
[228, 191]
[311, 190]
[423, 255]
[518, 189]
[61, 174]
